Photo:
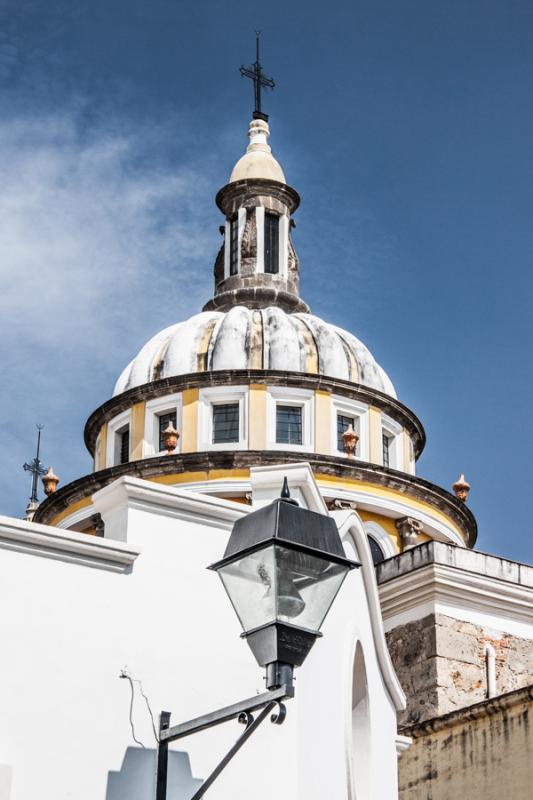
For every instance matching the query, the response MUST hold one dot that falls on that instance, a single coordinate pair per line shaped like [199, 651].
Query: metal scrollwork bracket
[265, 704]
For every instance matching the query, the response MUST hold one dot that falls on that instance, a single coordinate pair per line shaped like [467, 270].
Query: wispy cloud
[101, 244]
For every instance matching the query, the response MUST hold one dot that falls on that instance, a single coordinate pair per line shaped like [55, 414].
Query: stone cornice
[485, 708]
[233, 193]
[256, 297]
[208, 461]
[356, 391]
[439, 578]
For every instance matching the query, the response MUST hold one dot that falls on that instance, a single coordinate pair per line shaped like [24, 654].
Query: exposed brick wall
[440, 662]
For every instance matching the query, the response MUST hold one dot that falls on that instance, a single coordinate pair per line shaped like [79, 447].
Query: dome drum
[451, 519]
[169, 391]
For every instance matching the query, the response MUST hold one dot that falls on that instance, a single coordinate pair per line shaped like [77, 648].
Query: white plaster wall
[67, 630]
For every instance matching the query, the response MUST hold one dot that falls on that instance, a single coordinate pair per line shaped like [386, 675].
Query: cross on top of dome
[255, 72]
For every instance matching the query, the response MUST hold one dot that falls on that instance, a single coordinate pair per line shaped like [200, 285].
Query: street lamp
[282, 569]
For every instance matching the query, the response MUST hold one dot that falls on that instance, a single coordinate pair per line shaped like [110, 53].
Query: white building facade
[82, 609]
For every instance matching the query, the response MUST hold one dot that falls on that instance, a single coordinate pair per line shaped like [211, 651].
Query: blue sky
[407, 129]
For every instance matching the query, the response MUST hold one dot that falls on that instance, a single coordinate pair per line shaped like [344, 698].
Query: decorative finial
[255, 72]
[285, 493]
[461, 489]
[36, 468]
[350, 439]
[170, 438]
[50, 481]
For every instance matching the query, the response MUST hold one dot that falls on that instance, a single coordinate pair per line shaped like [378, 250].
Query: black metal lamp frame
[244, 712]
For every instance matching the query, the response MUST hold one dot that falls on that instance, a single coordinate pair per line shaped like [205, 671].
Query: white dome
[244, 338]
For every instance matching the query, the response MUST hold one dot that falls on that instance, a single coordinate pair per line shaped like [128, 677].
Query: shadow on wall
[136, 779]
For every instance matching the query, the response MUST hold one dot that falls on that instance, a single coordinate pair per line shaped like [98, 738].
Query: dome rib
[245, 339]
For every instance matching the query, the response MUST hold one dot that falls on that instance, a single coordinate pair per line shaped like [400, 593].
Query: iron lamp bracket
[250, 713]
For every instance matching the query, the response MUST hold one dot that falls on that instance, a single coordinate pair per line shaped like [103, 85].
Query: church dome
[258, 161]
[245, 339]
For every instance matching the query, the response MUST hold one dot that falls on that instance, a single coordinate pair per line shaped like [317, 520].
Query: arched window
[375, 549]
[381, 543]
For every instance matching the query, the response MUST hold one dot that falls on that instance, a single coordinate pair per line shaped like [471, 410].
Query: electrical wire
[131, 679]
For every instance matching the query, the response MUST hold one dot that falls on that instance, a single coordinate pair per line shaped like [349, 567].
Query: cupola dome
[258, 161]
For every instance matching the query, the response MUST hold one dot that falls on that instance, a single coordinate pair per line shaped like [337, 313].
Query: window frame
[393, 430]
[168, 404]
[225, 404]
[375, 531]
[274, 261]
[350, 408]
[296, 397]
[290, 407]
[222, 395]
[234, 239]
[114, 428]
[119, 442]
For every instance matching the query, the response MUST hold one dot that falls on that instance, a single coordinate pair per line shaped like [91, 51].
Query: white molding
[283, 253]
[113, 426]
[393, 508]
[382, 538]
[403, 743]
[260, 238]
[154, 409]
[304, 398]
[78, 516]
[267, 483]
[219, 395]
[390, 426]
[351, 526]
[227, 247]
[226, 486]
[114, 502]
[456, 592]
[96, 459]
[351, 408]
[78, 548]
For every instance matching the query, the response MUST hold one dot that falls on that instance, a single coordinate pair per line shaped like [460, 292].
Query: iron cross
[35, 467]
[255, 72]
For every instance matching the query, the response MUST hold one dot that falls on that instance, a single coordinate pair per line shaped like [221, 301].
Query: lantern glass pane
[283, 584]
[306, 587]
[250, 582]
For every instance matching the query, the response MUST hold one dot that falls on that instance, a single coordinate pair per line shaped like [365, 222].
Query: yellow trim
[203, 347]
[193, 477]
[189, 420]
[310, 359]
[102, 447]
[387, 523]
[322, 422]
[86, 501]
[257, 415]
[374, 435]
[137, 431]
[380, 491]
